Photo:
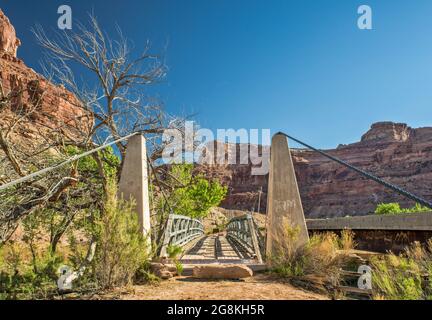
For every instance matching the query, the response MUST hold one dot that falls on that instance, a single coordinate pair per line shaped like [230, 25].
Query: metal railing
[244, 231]
[261, 237]
[179, 231]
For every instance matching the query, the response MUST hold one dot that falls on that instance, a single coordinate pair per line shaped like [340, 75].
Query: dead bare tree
[112, 94]
[24, 148]
[117, 99]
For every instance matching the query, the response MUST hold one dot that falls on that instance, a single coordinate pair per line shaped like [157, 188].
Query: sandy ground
[259, 287]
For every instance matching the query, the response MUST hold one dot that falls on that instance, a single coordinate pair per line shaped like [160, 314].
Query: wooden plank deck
[216, 248]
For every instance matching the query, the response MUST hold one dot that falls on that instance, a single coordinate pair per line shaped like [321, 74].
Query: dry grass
[321, 259]
[407, 276]
[346, 241]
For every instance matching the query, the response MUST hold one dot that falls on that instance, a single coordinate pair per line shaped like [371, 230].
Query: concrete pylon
[134, 180]
[284, 206]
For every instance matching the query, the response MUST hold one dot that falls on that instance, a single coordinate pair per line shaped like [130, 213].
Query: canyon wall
[392, 151]
[46, 106]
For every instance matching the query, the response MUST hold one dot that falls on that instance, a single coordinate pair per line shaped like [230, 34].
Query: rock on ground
[163, 271]
[232, 271]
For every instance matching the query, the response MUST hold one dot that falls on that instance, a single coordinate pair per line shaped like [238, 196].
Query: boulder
[172, 269]
[156, 266]
[163, 271]
[164, 274]
[222, 271]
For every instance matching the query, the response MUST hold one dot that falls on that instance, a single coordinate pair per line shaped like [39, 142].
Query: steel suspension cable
[61, 164]
[366, 174]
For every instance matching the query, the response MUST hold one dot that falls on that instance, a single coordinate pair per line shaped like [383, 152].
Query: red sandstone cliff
[392, 151]
[57, 109]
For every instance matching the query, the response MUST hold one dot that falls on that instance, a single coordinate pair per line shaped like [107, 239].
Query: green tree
[76, 207]
[394, 208]
[193, 195]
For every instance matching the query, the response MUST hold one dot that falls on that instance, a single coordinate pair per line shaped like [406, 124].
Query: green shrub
[417, 208]
[179, 267]
[34, 280]
[388, 208]
[174, 251]
[394, 208]
[121, 248]
[404, 277]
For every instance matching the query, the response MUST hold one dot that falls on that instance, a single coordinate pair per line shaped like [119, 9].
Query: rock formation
[392, 151]
[222, 271]
[56, 108]
[9, 42]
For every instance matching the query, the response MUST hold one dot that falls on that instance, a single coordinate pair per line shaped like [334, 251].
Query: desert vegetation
[192, 194]
[406, 276]
[72, 215]
[395, 208]
[29, 269]
[319, 262]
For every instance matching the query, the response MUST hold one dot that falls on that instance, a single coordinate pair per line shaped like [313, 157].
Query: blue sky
[302, 66]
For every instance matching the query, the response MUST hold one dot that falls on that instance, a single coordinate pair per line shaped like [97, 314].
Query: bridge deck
[216, 249]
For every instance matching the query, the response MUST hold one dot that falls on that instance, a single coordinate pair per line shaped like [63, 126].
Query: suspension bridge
[242, 241]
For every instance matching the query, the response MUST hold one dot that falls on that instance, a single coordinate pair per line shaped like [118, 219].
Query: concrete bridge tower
[134, 181]
[284, 206]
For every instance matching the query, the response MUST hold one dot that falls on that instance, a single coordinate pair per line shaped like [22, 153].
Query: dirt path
[259, 287]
